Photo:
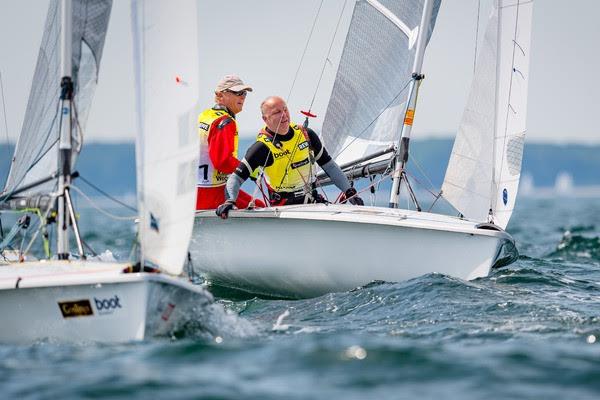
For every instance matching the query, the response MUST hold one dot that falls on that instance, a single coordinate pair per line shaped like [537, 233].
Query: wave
[578, 247]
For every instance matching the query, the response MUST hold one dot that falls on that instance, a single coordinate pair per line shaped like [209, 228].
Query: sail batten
[488, 150]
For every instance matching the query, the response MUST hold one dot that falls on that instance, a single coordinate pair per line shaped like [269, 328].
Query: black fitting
[66, 84]
[24, 221]
[418, 77]
[404, 149]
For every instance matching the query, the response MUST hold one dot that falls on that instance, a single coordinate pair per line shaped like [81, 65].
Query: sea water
[530, 330]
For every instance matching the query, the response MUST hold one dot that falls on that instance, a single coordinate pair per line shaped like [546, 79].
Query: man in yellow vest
[218, 133]
[287, 153]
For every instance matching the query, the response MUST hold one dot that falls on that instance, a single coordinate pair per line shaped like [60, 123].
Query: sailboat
[307, 250]
[70, 297]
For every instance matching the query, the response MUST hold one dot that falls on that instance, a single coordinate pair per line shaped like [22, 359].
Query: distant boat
[309, 250]
[67, 297]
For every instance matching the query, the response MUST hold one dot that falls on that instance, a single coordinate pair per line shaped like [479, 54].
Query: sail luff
[137, 24]
[493, 183]
[167, 73]
[517, 15]
[484, 168]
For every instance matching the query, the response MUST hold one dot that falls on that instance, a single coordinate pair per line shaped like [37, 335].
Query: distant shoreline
[548, 169]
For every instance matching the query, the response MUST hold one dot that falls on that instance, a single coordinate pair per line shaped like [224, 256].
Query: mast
[402, 155]
[65, 211]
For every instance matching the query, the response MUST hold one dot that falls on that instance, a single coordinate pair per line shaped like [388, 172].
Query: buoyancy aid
[292, 161]
[208, 175]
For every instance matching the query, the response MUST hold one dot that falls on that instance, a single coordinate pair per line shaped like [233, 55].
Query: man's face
[234, 101]
[277, 116]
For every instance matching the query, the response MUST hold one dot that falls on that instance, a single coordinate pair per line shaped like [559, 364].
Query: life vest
[208, 175]
[292, 161]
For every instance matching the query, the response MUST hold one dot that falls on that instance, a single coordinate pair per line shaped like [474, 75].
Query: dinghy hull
[92, 302]
[308, 250]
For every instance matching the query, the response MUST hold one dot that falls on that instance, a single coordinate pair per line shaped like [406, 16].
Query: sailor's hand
[353, 198]
[223, 210]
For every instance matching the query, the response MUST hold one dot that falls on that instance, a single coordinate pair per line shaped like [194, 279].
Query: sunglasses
[241, 93]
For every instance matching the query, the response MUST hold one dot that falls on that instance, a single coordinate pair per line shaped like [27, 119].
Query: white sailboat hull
[308, 250]
[91, 301]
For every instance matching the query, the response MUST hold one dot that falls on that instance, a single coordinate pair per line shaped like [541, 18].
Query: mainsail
[485, 166]
[365, 112]
[167, 75]
[36, 153]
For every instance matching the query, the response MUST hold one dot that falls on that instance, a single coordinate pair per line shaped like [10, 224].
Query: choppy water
[530, 330]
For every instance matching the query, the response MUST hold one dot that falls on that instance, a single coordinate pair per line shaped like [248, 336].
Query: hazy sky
[263, 42]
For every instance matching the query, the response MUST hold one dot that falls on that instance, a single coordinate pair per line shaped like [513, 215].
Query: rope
[304, 52]
[327, 58]
[98, 208]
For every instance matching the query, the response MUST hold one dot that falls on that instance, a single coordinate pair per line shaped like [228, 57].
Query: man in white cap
[218, 133]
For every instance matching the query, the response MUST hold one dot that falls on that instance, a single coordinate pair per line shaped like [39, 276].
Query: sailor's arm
[221, 144]
[257, 155]
[332, 170]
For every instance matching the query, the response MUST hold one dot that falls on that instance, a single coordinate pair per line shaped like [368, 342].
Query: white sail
[36, 153]
[485, 166]
[166, 72]
[365, 112]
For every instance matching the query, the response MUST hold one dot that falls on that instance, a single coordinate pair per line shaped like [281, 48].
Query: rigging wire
[328, 54]
[105, 194]
[275, 134]
[41, 153]
[98, 208]
[300, 66]
[476, 36]
[304, 52]
[375, 119]
[422, 171]
[5, 125]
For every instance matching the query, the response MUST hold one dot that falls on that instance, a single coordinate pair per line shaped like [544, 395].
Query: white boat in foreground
[304, 251]
[92, 301]
[308, 250]
[66, 297]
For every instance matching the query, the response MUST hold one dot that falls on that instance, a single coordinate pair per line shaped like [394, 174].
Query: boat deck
[366, 215]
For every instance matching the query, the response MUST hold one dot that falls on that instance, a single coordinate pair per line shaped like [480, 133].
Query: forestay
[365, 112]
[36, 153]
[167, 76]
[485, 166]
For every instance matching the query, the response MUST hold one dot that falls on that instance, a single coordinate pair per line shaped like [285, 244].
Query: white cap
[233, 83]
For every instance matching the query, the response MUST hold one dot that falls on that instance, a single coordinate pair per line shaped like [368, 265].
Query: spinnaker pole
[402, 155]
